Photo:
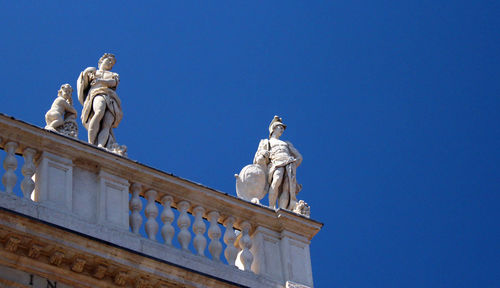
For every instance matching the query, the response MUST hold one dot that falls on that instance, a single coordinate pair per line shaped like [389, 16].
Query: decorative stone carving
[78, 265]
[119, 149]
[199, 241]
[302, 208]
[142, 282]
[100, 271]
[151, 213]
[34, 251]
[9, 178]
[183, 222]
[229, 238]
[101, 105]
[273, 171]
[120, 278]
[135, 206]
[245, 257]
[290, 284]
[167, 216]
[28, 170]
[56, 258]
[12, 244]
[214, 233]
[62, 115]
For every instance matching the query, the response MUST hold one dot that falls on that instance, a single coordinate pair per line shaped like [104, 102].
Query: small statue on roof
[61, 117]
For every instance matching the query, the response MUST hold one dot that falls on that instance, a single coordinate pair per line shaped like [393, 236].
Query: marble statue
[62, 115]
[273, 172]
[101, 106]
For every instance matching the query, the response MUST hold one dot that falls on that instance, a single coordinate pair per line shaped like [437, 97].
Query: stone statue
[62, 115]
[101, 106]
[273, 171]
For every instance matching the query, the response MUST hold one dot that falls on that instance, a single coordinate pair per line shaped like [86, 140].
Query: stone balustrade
[199, 227]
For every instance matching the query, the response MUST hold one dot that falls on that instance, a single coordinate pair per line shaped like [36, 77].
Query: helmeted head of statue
[277, 121]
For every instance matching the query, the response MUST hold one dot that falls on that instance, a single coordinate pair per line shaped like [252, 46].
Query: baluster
[151, 213]
[28, 170]
[9, 179]
[214, 233]
[167, 216]
[183, 222]
[245, 256]
[135, 206]
[199, 228]
[229, 238]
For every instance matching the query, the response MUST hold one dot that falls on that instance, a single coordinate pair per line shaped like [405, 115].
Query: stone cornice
[49, 251]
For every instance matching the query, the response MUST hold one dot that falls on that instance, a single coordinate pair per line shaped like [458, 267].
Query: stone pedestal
[112, 200]
[54, 181]
[267, 253]
[283, 257]
[296, 258]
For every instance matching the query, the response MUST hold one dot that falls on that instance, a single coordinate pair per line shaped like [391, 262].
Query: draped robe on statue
[88, 90]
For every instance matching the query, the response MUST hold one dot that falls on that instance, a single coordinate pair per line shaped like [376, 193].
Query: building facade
[75, 216]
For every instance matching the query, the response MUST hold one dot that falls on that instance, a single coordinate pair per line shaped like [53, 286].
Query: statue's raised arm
[102, 110]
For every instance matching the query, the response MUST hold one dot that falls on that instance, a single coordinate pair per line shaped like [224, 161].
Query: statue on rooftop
[274, 172]
[101, 106]
[62, 115]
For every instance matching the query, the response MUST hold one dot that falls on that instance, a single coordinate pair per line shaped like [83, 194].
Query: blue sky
[393, 104]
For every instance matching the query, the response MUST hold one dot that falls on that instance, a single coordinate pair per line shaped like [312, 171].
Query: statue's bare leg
[275, 186]
[58, 120]
[290, 171]
[99, 109]
[284, 196]
[55, 119]
[104, 135]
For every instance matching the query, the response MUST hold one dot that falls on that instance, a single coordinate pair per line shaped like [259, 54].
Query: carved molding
[12, 243]
[73, 264]
[78, 265]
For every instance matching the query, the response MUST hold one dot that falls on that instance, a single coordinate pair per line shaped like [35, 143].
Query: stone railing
[97, 193]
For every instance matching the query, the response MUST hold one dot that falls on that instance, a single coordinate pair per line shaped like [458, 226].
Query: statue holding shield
[273, 172]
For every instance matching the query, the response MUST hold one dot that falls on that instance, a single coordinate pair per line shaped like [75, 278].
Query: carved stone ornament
[302, 208]
[12, 244]
[290, 284]
[120, 278]
[100, 271]
[34, 251]
[102, 109]
[273, 172]
[56, 258]
[78, 265]
[61, 117]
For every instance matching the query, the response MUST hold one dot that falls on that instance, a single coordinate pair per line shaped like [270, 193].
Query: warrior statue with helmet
[273, 171]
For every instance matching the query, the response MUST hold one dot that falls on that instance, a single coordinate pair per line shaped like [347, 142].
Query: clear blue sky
[393, 104]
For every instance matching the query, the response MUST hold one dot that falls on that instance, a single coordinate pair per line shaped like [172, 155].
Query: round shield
[251, 182]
